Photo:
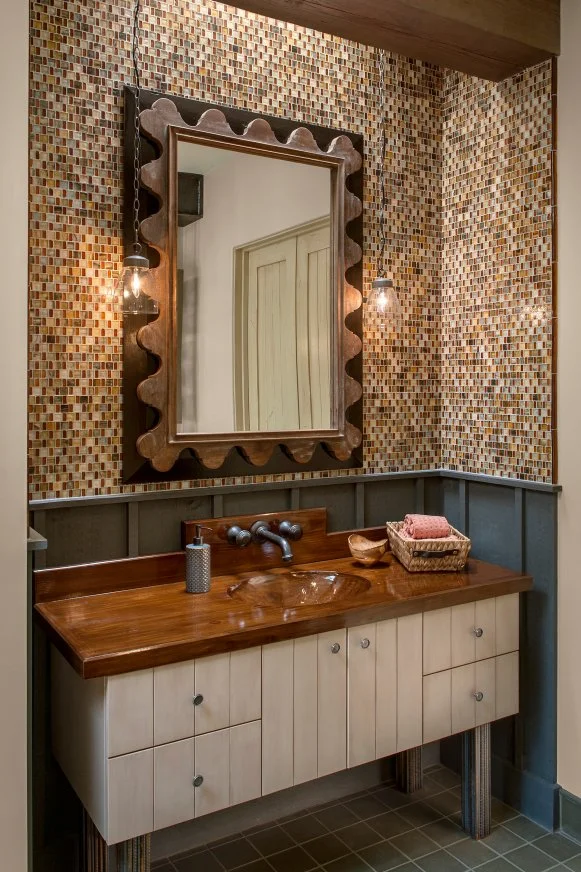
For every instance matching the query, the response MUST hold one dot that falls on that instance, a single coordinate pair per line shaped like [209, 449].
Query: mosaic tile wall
[79, 63]
[496, 275]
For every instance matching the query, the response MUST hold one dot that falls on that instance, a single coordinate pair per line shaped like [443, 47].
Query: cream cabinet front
[151, 749]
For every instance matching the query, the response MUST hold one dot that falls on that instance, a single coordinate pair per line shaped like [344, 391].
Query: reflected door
[283, 312]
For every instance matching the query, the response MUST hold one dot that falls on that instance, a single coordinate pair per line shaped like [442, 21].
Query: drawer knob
[365, 643]
[198, 699]
[198, 781]
[478, 632]
[335, 648]
[478, 696]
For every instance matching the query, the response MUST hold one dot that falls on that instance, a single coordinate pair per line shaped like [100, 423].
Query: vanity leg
[134, 855]
[95, 851]
[476, 785]
[408, 770]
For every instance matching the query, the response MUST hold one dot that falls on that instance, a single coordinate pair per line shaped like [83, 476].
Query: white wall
[13, 294]
[569, 398]
[246, 197]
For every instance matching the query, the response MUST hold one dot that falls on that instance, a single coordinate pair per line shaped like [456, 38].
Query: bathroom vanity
[167, 706]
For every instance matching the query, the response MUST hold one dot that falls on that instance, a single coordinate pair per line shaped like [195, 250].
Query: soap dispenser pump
[198, 578]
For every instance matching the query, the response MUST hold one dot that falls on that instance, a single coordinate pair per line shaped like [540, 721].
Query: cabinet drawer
[197, 776]
[468, 696]
[206, 695]
[129, 799]
[129, 712]
[470, 632]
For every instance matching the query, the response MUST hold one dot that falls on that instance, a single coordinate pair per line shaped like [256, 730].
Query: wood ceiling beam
[491, 39]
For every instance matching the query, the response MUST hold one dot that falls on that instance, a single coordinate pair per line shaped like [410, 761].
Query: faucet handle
[290, 530]
[237, 536]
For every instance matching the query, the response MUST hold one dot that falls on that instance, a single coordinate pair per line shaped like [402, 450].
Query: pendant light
[135, 282]
[383, 297]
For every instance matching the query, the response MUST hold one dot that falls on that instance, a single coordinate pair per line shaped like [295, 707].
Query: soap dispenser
[198, 577]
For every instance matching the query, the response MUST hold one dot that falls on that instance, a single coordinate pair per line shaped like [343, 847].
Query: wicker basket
[429, 555]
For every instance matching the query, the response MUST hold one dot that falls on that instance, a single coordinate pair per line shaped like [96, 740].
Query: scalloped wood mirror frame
[163, 452]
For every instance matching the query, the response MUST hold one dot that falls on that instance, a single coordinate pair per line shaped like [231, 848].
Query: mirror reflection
[255, 301]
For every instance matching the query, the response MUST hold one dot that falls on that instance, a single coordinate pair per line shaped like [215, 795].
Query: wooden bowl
[365, 551]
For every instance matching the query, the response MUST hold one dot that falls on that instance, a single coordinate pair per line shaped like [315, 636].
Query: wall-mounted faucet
[261, 532]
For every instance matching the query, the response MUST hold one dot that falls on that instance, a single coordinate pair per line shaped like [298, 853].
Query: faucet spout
[262, 532]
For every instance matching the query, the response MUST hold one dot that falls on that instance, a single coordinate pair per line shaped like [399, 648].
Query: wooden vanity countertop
[122, 630]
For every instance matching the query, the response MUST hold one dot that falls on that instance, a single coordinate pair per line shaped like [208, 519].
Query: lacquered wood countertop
[126, 630]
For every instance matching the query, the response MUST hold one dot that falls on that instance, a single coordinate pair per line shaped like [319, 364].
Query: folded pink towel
[426, 527]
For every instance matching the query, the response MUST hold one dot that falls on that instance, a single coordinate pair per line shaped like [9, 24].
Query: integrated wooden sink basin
[292, 589]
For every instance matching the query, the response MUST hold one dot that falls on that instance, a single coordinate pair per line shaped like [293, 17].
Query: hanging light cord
[381, 173]
[137, 138]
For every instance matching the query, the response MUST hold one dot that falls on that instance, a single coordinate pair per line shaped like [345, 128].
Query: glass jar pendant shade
[135, 285]
[384, 299]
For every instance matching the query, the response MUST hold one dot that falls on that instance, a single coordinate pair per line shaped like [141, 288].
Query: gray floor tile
[445, 832]
[351, 863]
[525, 828]
[305, 828]
[326, 848]
[164, 866]
[366, 807]
[236, 853]
[337, 817]
[471, 853]
[497, 865]
[446, 803]
[445, 777]
[358, 836]
[414, 844]
[502, 840]
[441, 861]
[530, 859]
[574, 864]
[419, 813]
[382, 857]
[393, 798]
[271, 841]
[558, 846]
[195, 862]
[293, 860]
[501, 812]
[390, 824]
[258, 866]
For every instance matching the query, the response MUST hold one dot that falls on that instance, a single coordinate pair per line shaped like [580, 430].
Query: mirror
[254, 359]
[254, 292]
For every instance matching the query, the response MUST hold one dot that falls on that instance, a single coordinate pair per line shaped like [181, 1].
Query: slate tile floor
[382, 829]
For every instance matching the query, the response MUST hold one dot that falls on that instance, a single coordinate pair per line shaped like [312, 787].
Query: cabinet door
[305, 709]
[409, 682]
[507, 685]
[213, 683]
[473, 695]
[463, 638]
[173, 695]
[277, 716]
[386, 689]
[437, 641]
[129, 796]
[245, 762]
[332, 702]
[174, 792]
[437, 717]
[485, 684]
[361, 688]
[485, 620]
[129, 712]
[245, 694]
[507, 623]
[212, 757]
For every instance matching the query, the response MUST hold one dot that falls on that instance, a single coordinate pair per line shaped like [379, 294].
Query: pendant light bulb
[135, 286]
[384, 300]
